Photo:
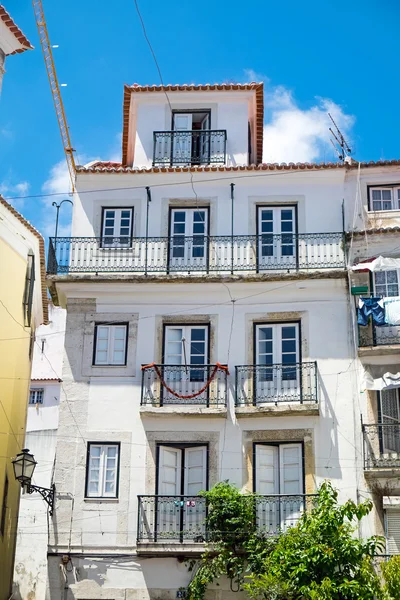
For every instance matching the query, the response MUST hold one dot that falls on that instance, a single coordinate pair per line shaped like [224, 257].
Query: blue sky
[318, 56]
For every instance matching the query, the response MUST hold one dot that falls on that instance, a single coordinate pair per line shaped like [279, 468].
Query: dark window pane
[288, 332]
[198, 334]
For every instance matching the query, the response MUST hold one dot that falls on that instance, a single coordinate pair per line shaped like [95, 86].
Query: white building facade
[209, 336]
[30, 570]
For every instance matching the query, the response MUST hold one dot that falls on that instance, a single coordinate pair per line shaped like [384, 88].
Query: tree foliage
[318, 559]
[391, 575]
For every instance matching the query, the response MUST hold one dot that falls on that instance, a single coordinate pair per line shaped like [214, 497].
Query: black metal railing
[202, 385]
[383, 335]
[276, 384]
[199, 147]
[196, 254]
[181, 519]
[381, 446]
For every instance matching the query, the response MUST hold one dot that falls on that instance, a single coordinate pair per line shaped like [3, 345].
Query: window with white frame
[117, 227]
[102, 470]
[386, 283]
[384, 198]
[110, 344]
[36, 396]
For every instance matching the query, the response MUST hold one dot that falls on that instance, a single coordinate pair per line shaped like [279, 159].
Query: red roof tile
[15, 30]
[115, 167]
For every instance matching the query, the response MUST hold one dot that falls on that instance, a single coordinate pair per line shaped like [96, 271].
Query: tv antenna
[341, 146]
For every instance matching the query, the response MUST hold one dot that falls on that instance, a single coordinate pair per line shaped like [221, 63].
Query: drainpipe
[147, 228]
[232, 198]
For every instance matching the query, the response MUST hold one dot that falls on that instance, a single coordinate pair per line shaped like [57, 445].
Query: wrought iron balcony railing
[201, 385]
[385, 335]
[274, 384]
[182, 519]
[199, 147]
[196, 254]
[381, 446]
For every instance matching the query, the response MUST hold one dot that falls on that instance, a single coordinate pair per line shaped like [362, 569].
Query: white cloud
[9, 188]
[59, 181]
[292, 134]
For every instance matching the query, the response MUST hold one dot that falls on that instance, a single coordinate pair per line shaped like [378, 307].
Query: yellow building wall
[15, 370]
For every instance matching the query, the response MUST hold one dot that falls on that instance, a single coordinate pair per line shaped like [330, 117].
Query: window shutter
[291, 469]
[169, 474]
[393, 531]
[195, 470]
[267, 480]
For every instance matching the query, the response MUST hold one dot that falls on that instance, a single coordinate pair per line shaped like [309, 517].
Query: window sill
[101, 500]
[384, 214]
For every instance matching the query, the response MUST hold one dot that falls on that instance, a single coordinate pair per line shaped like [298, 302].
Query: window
[188, 237]
[117, 227]
[110, 345]
[279, 476]
[28, 291]
[186, 345]
[389, 407]
[385, 198]
[386, 283]
[4, 507]
[278, 469]
[182, 469]
[276, 236]
[36, 396]
[102, 470]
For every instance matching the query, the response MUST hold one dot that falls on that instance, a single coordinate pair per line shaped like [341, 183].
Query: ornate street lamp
[24, 465]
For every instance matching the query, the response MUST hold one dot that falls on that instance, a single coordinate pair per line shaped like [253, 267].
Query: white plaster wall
[30, 572]
[318, 195]
[23, 241]
[107, 409]
[150, 112]
[362, 218]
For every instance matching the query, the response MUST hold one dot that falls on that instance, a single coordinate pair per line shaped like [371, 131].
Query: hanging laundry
[392, 310]
[371, 307]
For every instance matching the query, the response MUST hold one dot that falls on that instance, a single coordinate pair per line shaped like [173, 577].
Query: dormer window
[190, 141]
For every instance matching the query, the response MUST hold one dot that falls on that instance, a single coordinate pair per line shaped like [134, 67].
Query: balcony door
[188, 239]
[185, 357]
[277, 245]
[182, 474]
[390, 421]
[279, 479]
[182, 144]
[277, 357]
[386, 285]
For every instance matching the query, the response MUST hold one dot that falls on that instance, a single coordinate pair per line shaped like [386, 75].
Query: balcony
[382, 447]
[170, 521]
[188, 385]
[197, 254]
[199, 147]
[277, 384]
[385, 335]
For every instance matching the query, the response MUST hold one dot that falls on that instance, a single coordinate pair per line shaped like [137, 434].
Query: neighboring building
[200, 255]
[373, 220]
[12, 40]
[23, 307]
[30, 572]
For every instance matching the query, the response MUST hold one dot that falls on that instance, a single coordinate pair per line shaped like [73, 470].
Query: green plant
[391, 575]
[318, 559]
